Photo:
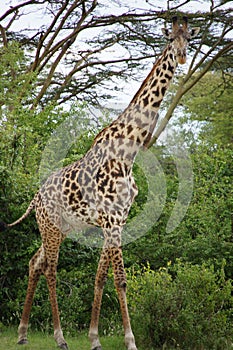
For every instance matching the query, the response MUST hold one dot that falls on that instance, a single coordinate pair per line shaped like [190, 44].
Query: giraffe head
[180, 37]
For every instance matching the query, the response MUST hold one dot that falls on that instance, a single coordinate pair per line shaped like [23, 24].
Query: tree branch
[50, 74]
[17, 7]
[43, 37]
[4, 38]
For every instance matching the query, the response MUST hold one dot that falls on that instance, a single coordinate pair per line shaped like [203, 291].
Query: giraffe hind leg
[52, 244]
[40, 263]
[35, 270]
[50, 275]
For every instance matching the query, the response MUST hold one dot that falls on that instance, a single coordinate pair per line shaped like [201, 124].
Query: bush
[189, 307]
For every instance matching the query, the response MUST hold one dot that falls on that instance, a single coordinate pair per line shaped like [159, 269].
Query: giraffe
[99, 190]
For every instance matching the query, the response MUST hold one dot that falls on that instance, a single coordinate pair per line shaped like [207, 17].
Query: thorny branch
[55, 44]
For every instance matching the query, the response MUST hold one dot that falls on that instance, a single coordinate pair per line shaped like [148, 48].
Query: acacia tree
[82, 47]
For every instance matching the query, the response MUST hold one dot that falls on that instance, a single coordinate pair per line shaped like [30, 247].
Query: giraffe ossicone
[99, 190]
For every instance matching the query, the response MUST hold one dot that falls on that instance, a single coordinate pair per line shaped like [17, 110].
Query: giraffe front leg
[101, 277]
[120, 284]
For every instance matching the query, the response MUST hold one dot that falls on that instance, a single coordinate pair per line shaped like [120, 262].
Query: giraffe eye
[171, 40]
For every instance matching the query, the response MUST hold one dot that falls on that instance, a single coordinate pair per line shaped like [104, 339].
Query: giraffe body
[99, 190]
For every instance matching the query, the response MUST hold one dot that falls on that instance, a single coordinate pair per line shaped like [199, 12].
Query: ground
[43, 341]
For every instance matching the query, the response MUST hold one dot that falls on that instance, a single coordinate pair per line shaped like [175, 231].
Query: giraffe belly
[80, 219]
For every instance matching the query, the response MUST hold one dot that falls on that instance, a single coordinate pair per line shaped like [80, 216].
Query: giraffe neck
[133, 129]
[142, 112]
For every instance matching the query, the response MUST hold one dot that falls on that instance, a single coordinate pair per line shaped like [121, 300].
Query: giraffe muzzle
[181, 59]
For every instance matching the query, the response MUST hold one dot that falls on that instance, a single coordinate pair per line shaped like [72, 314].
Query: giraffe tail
[4, 226]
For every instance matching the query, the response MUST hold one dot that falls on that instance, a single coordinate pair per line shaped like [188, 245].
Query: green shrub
[188, 308]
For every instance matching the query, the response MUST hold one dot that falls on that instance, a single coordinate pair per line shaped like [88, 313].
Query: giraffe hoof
[97, 348]
[63, 346]
[22, 341]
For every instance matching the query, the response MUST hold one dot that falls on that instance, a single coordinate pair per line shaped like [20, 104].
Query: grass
[43, 341]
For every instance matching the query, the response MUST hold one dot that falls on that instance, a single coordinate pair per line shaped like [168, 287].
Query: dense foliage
[205, 233]
[189, 307]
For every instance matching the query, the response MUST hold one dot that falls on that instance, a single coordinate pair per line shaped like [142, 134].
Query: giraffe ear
[194, 31]
[165, 32]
